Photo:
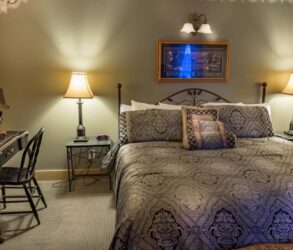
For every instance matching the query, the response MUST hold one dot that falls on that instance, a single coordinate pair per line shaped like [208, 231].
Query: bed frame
[193, 96]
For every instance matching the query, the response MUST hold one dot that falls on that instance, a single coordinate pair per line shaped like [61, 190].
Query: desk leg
[69, 167]
[1, 239]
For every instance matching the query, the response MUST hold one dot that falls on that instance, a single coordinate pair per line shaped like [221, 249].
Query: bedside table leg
[69, 167]
[110, 182]
[1, 239]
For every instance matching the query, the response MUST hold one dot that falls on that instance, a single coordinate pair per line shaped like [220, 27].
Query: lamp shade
[79, 86]
[289, 87]
[205, 28]
[187, 28]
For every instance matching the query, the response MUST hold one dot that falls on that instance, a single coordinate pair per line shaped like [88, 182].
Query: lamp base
[288, 132]
[81, 139]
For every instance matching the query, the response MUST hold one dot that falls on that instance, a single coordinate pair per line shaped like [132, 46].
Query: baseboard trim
[62, 174]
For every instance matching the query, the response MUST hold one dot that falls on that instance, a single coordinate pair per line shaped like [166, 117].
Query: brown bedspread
[172, 198]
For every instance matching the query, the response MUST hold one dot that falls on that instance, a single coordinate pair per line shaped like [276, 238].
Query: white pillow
[170, 106]
[221, 103]
[178, 107]
[125, 107]
[142, 106]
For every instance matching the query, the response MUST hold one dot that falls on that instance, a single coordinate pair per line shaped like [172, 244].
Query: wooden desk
[13, 142]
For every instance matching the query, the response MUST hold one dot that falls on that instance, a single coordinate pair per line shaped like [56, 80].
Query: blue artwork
[193, 61]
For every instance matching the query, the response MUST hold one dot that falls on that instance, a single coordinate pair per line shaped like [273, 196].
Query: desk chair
[23, 176]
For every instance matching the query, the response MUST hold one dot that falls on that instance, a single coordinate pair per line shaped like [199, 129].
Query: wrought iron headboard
[192, 97]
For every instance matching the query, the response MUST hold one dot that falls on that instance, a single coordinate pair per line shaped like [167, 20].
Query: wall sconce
[197, 23]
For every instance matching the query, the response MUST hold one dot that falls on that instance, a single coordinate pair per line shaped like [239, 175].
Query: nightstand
[284, 136]
[90, 151]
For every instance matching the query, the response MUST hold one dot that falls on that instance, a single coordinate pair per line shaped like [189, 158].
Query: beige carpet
[83, 219]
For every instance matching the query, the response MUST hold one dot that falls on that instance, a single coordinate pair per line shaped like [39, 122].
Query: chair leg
[30, 187]
[40, 192]
[31, 202]
[3, 196]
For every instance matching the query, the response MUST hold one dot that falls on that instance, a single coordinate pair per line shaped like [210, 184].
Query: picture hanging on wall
[193, 61]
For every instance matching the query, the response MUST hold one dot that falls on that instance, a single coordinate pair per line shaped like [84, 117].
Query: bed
[168, 197]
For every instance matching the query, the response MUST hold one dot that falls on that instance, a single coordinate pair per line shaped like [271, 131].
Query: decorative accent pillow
[246, 121]
[206, 134]
[150, 125]
[200, 113]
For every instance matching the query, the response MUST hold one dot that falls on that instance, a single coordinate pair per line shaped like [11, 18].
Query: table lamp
[289, 90]
[79, 88]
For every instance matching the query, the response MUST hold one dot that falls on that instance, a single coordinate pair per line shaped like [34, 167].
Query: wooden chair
[23, 177]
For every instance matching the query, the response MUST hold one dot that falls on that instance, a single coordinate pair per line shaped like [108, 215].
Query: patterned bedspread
[172, 198]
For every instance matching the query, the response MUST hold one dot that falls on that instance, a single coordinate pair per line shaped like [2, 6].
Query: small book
[102, 137]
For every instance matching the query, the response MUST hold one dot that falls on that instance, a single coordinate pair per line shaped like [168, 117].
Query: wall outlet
[91, 154]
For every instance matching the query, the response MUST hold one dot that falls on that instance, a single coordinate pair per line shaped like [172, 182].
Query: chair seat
[9, 175]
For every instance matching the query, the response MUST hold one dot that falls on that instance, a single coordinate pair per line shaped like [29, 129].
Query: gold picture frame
[193, 61]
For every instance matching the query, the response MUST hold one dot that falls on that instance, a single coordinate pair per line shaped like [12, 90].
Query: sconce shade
[197, 23]
[289, 87]
[79, 86]
[205, 28]
[3, 104]
[187, 28]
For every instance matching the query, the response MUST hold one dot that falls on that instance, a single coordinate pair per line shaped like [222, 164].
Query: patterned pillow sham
[199, 113]
[150, 125]
[191, 113]
[206, 134]
[246, 121]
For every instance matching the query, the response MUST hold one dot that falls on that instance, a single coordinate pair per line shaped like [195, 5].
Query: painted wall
[42, 41]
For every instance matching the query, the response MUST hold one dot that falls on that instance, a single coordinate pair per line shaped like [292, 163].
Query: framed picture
[193, 61]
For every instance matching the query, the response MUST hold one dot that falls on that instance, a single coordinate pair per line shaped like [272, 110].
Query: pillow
[246, 121]
[206, 125]
[265, 105]
[178, 107]
[199, 113]
[150, 125]
[221, 103]
[142, 106]
[202, 134]
[170, 106]
[125, 107]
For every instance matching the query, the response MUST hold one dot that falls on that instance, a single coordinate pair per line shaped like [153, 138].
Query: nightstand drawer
[7, 153]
